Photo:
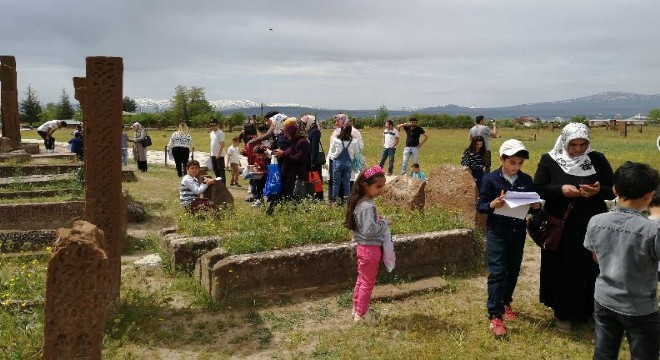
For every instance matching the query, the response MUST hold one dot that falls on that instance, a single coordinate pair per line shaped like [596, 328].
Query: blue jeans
[341, 176]
[643, 333]
[124, 156]
[407, 152]
[504, 254]
[388, 152]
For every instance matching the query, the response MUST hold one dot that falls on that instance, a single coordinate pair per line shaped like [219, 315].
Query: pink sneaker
[497, 328]
[509, 314]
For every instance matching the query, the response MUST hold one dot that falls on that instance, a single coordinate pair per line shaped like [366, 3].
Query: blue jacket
[491, 187]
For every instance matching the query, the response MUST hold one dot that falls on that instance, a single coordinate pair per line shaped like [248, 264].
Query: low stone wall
[40, 216]
[21, 241]
[327, 267]
[9, 171]
[34, 194]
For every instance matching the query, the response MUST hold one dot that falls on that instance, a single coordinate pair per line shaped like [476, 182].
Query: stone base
[30, 148]
[15, 155]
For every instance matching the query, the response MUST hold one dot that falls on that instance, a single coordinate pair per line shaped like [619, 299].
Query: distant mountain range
[607, 104]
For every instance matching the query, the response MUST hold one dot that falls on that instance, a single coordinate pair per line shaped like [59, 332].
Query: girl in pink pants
[370, 231]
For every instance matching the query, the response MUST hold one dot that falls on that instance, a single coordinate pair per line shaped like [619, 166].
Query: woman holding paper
[572, 173]
[505, 231]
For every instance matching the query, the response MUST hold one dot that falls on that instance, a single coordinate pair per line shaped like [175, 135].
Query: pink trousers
[368, 260]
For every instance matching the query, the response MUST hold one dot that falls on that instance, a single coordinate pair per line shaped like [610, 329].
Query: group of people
[606, 263]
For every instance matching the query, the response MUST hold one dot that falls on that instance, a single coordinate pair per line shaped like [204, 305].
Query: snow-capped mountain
[147, 104]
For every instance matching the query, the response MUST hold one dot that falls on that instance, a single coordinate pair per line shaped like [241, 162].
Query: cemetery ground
[166, 315]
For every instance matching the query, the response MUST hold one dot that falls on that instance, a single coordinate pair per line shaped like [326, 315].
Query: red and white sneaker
[509, 314]
[497, 328]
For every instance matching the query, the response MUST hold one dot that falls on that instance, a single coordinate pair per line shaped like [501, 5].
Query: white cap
[512, 147]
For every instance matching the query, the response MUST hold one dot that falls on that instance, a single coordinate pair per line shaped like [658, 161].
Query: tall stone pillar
[11, 125]
[103, 196]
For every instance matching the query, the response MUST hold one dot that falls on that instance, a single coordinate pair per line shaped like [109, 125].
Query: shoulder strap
[568, 210]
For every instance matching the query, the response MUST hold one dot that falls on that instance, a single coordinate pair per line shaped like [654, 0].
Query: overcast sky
[345, 54]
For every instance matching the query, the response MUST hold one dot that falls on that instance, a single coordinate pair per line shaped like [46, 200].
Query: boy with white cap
[505, 237]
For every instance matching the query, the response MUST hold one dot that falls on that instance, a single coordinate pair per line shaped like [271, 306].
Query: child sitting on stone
[190, 189]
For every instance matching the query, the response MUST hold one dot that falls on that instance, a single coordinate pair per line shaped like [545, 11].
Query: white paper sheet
[516, 204]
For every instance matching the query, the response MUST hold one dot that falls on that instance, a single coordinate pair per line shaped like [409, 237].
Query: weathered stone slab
[453, 188]
[5, 145]
[40, 216]
[185, 250]
[76, 295]
[128, 176]
[205, 264]
[406, 192]
[30, 148]
[331, 266]
[15, 155]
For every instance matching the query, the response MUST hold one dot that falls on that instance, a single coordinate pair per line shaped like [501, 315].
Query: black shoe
[250, 199]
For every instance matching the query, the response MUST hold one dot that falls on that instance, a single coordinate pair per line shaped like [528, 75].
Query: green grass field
[167, 316]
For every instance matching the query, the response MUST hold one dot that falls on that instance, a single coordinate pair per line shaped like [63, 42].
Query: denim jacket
[492, 186]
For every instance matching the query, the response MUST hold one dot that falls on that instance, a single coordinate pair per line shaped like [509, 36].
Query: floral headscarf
[309, 120]
[573, 165]
[294, 128]
[342, 119]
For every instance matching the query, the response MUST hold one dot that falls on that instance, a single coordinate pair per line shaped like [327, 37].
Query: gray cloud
[343, 54]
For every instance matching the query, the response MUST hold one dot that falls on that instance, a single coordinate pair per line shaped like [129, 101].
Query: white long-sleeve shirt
[336, 146]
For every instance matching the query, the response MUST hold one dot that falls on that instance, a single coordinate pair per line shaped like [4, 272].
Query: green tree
[49, 112]
[30, 107]
[64, 108]
[129, 105]
[189, 103]
[382, 114]
[653, 117]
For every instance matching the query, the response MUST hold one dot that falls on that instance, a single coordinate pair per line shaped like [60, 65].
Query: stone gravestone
[100, 94]
[453, 188]
[76, 294]
[11, 126]
[218, 194]
[623, 129]
[406, 192]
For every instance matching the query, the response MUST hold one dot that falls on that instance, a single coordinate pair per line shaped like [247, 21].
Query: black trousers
[219, 167]
[180, 155]
[49, 143]
[142, 165]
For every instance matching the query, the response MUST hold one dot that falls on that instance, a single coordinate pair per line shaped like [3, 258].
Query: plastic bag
[273, 180]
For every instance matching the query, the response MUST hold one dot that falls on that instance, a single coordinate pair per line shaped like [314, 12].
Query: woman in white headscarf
[572, 173]
[139, 151]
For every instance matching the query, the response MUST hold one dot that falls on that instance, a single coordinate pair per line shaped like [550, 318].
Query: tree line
[189, 105]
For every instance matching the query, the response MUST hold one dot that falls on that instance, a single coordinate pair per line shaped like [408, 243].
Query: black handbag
[546, 229]
[302, 189]
[146, 141]
[320, 157]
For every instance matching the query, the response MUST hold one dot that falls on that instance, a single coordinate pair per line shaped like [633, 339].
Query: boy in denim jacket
[626, 246]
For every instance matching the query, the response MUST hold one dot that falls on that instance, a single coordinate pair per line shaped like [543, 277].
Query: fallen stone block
[184, 250]
[406, 192]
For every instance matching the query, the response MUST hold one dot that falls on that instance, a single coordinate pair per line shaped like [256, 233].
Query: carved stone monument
[102, 108]
[11, 126]
[76, 294]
